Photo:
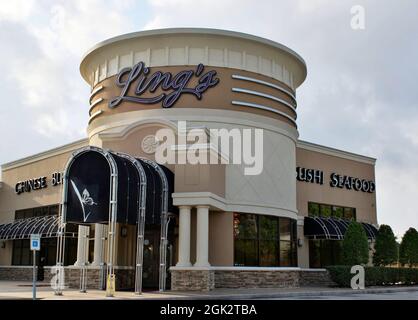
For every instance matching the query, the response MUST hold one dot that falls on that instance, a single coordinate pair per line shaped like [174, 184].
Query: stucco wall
[364, 202]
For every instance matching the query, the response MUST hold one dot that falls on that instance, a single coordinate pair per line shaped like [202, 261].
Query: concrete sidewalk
[23, 290]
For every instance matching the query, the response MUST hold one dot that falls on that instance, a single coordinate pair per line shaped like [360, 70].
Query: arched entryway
[105, 187]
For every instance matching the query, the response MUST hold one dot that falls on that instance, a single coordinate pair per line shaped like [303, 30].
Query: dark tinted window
[261, 240]
[326, 210]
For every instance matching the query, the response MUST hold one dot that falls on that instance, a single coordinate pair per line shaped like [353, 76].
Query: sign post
[35, 245]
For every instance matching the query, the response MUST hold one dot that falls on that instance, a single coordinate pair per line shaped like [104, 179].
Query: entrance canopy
[106, 187]
[46, 226]
[91, 189]
[332, 228]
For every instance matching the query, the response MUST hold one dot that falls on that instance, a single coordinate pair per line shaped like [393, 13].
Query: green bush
[355, 247]
[375, 276]
[408, 250]
[386, 251]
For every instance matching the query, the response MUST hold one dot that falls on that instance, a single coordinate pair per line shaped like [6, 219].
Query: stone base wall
[21, 273]
[256, 279]
[315, 278]
[211, 278]
[124, 277]
[193, 280]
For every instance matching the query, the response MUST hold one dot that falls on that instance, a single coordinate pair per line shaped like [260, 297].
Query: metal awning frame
[339, 227]
[46, 226]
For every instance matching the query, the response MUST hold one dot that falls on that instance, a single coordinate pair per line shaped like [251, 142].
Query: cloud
[360, 94]
[45, 44]
[16, 10]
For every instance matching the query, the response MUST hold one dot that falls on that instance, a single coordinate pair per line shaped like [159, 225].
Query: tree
[355, 247]
[408, 250]
[386, 251]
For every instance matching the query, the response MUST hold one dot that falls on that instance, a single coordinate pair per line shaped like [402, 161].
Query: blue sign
[35, 242]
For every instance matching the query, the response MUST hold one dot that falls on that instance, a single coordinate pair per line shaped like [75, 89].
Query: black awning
[332, 228]
[98, 178]
[370, 229]
[46, 226]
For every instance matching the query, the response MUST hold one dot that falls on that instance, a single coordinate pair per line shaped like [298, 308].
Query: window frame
[261, 240]
[333, 206]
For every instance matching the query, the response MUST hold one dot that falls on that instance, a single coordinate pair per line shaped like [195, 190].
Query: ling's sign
[171, 85]
[336, 180]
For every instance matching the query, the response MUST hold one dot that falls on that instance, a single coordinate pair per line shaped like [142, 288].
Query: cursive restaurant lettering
[175, 85]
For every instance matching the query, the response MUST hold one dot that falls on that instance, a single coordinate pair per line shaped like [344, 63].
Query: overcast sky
[360, 95]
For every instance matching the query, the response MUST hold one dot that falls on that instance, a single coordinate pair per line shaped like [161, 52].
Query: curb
[324, 293]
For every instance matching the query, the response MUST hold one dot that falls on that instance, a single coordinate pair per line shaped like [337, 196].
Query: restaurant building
[106, 206]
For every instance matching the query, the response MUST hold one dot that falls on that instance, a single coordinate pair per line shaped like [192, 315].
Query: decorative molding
[46, 154]
[335, 152]
[219, 49]
[93, 93]
[117, 126]
[268, 84]
[94, 115]
[95, 103]
[218, 203]
[199, 198]
[267, 96]
[263, 107]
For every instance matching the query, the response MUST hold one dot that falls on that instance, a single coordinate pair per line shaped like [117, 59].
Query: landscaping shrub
[386, 250]
[375, 276]
[355, 247]
[408, 250]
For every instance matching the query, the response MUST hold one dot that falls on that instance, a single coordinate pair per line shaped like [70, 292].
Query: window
[324, 253]
[327, 252]
[245, 234]
[21, 250]
[313, 209]
[326, 210]
[337, 212]
[350, 213]
[266, 241]
[37, 212]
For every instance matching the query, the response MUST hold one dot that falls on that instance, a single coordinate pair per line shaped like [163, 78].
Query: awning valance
[46, 226]
[332, 228]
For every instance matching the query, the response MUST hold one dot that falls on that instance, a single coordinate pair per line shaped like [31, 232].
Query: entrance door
[151, 263]
[151, 257]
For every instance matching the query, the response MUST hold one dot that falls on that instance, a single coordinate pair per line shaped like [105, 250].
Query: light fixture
[300, 242]
[124, 231]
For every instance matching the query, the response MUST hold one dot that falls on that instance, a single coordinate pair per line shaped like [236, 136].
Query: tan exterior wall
[6, 254]
[217, 97]
[303, 251]
[333, 161]
[364, 202]
[10, 201]
[34, 167]
[221, 238]
[200, 178]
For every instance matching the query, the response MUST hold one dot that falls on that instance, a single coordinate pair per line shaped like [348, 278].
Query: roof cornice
[46, 154]
[335, 152]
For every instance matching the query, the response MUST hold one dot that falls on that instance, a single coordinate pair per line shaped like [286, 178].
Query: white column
[184, 237]
[82, 245]
[99, 239]
[202, 237]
